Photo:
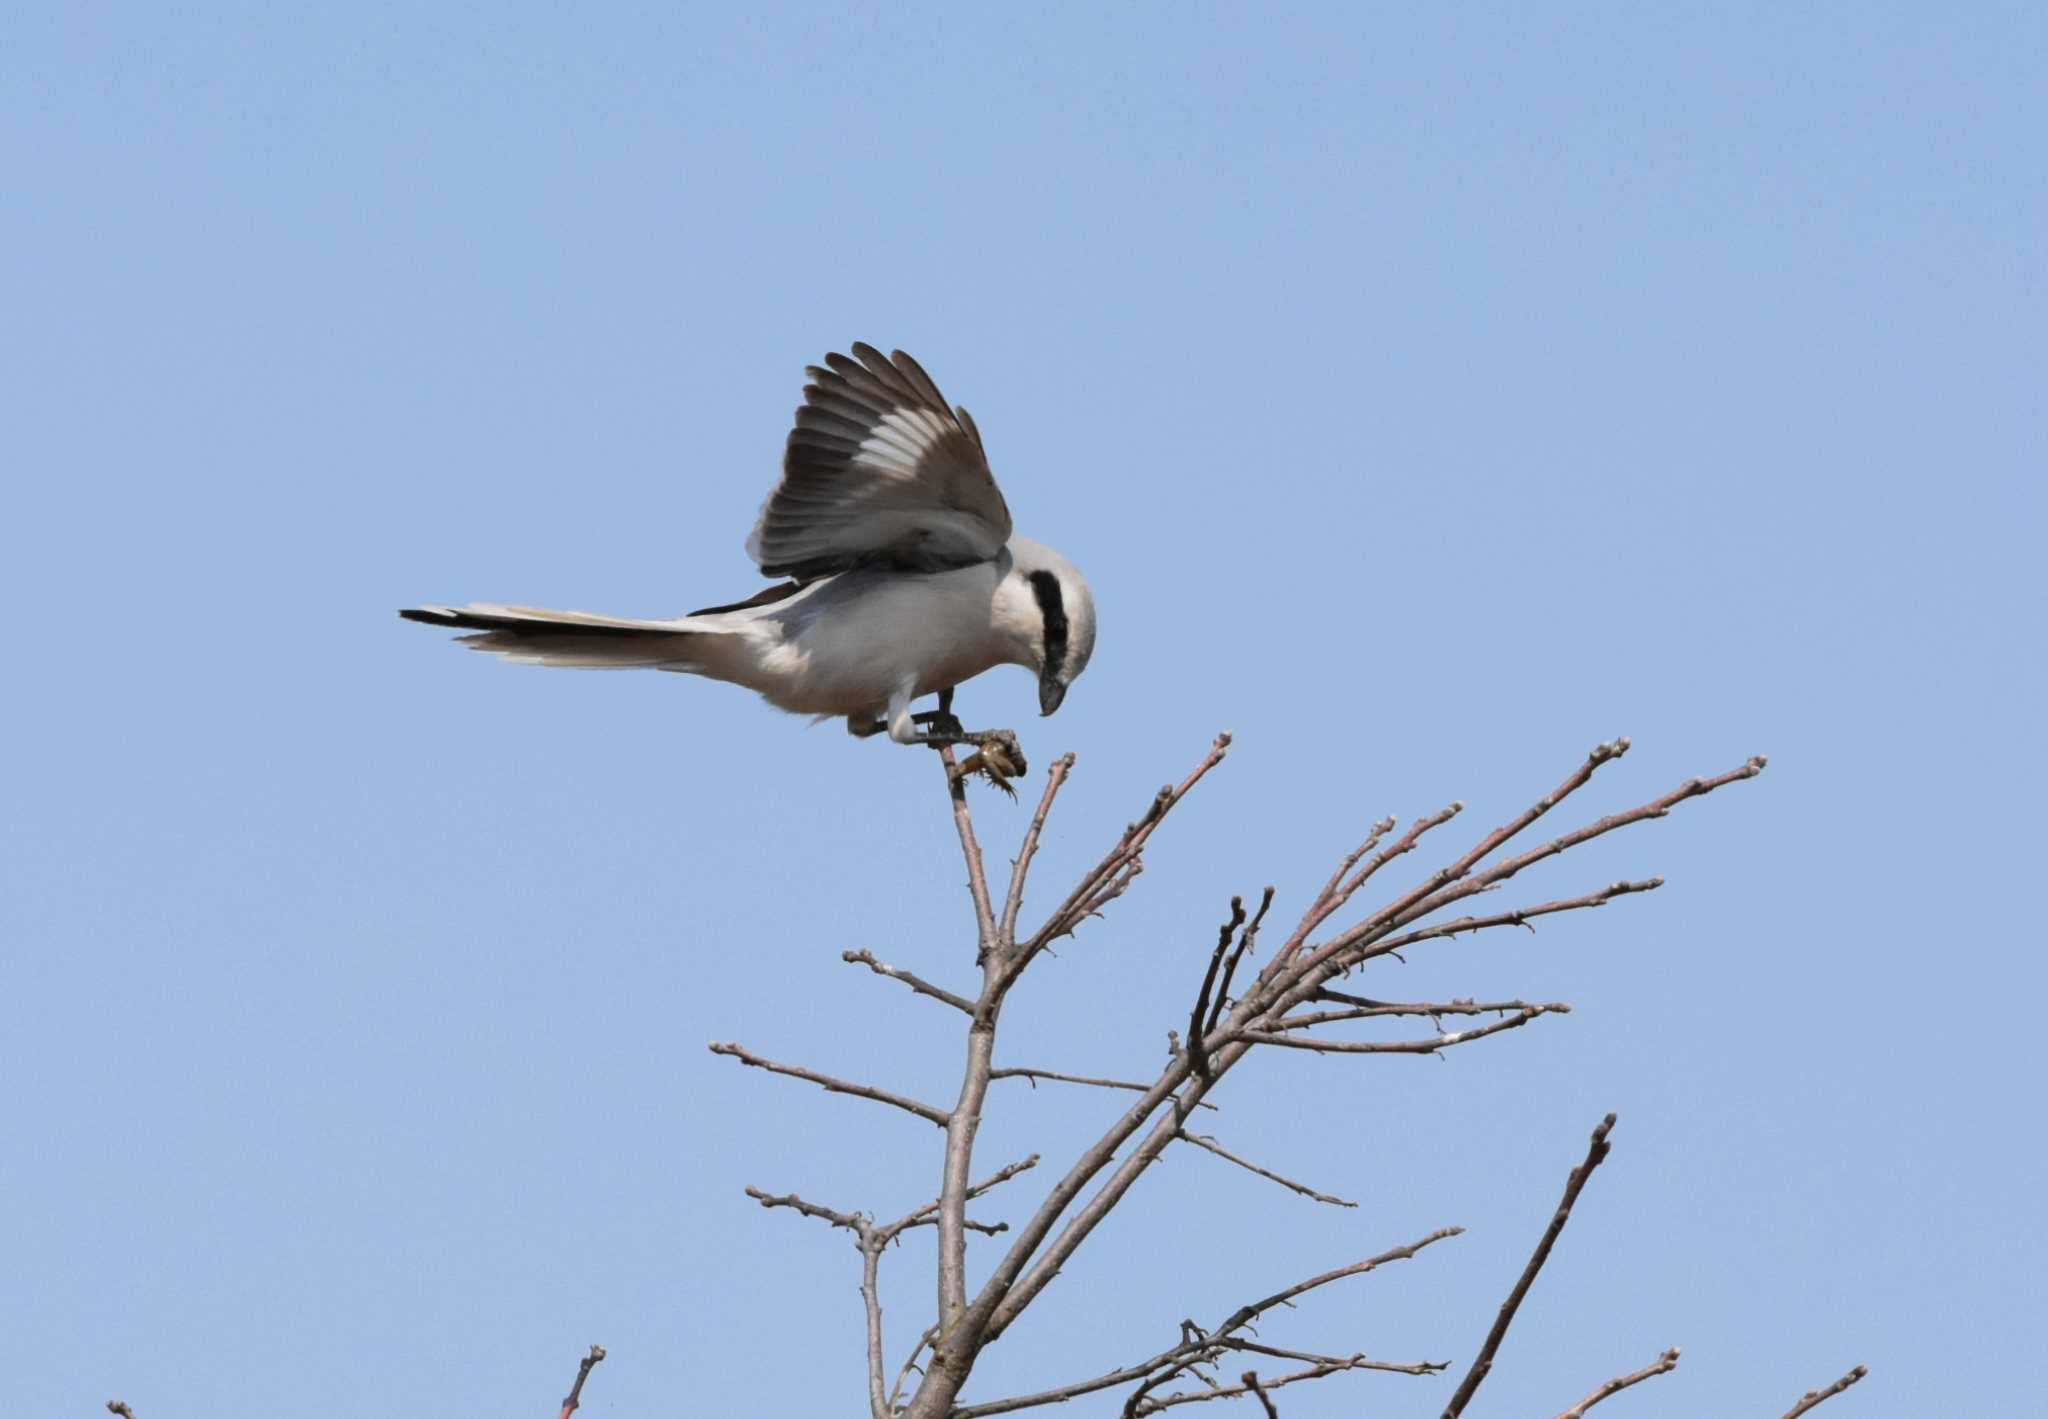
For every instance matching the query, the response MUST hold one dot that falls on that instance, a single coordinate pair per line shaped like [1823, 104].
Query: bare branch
[1338, 890]
[1014, 901]
[120, 1407]
[1221, 1031]
[1816, 1396]
[569, 1403]
[1452, 885]
[1521, 916]
[916, 983]
[1289, 1183]
[910, 1364]
[870, 1240]
[831, 1085]
[1336, 1362]
[1321, 1370]
[1196, 1345]
[871, 1304]
[1245, 1315]
[1033, 1260]
[1245, 941]
[852, 1221]
[1363, 1009]
[1327, 900]
[1109, 877]
[1663, 1365]
[977, 879]
[1251, 1382]
[1037, 1074]
[1198, 1021]
[1596, 1154]
[961, 1127]
[1333, 901]
[1429, 1046]
[925, 1213]
[1501, 872]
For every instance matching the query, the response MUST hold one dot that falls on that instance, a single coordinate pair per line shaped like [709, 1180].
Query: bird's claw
[941, 724]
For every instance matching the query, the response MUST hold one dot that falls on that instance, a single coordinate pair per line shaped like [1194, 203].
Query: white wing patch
[879, 469]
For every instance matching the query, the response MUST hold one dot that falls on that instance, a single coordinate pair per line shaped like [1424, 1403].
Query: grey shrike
[903, 577]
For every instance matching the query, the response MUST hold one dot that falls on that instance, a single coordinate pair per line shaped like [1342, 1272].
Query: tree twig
[852, 1221]
[870, 1239]
[910, 1364]
[1036, 1074]
[1013, 901]
[1663, 1364]
[1196, 1343]
[831, 1085]
[1251, 1382]
[921, 986]
[1104, 880]
[575, 1395]
[1337, 891]
[1430, 1046]
[120, 1407]
[1198, 1019]
[1220, 1151]
[1816, 1396]
[1360, 1008]
[924, 1214]
[1482, 1364]
[1521, 916]
[1452, 884]
[1159, 1403]
[1246, 939]
[977, 879]
[1340, 891]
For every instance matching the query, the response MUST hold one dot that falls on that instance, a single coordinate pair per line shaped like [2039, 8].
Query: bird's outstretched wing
[879, 471]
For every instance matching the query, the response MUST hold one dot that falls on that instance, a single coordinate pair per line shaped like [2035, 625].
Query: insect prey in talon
[999, 759]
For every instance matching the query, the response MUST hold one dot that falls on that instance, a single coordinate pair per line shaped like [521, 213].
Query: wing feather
[879, 469]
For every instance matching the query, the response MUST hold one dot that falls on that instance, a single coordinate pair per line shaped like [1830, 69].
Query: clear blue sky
[1429, 393]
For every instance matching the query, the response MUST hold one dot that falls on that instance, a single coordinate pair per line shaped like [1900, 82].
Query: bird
[898, 576]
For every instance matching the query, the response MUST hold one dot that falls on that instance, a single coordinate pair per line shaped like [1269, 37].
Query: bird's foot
[943, 723]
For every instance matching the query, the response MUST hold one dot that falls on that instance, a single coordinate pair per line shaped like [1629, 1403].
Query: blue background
[1428, 393]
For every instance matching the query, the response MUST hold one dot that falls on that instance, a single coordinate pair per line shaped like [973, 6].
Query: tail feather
[528, 635]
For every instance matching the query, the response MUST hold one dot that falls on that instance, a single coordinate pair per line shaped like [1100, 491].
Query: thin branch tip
[1664, 1364]
[831, 1085]
[1816, 1396]
[575, 1396]
[1575, 1182]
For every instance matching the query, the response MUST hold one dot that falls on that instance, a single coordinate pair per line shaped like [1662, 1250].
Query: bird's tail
[528, 635]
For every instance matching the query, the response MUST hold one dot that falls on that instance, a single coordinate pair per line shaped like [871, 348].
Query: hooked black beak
[1050, 693]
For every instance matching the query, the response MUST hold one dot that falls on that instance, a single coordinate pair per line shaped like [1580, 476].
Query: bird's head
[1050, 614]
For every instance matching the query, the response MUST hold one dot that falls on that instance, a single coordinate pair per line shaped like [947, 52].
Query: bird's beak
[1050, 693]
